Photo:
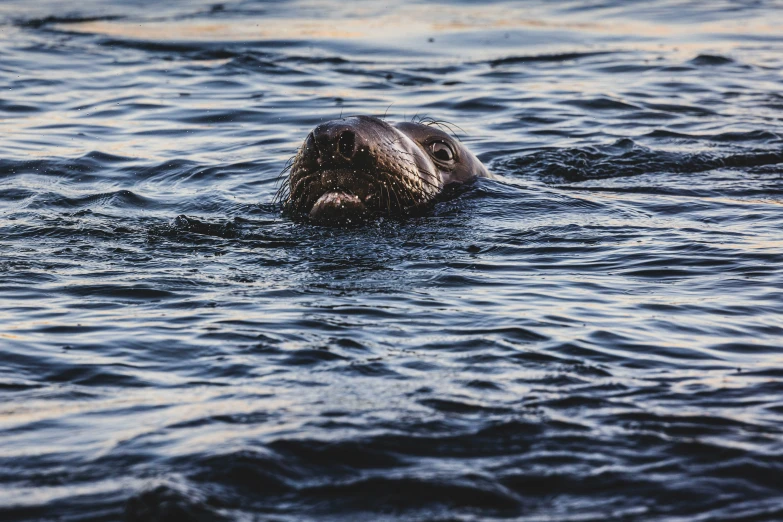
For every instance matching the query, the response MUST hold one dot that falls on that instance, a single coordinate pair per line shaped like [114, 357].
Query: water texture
[596, 335]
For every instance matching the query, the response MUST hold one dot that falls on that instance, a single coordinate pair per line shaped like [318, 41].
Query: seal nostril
[346, 144]
[310, 148]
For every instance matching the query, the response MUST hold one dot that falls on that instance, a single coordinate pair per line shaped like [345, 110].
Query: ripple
[558, 57]
[711, 59]
[627, 158]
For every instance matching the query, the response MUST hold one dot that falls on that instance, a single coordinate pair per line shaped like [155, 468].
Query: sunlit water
[595, 335]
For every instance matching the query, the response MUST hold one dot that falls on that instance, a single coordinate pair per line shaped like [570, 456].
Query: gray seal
[353, 169]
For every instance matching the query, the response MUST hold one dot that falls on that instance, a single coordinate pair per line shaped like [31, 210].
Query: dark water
[596, 335]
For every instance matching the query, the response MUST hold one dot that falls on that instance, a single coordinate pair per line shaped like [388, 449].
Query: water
[595, 335]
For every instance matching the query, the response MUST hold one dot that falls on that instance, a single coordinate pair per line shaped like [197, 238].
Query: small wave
[711, 59]
[11, 107]
[121, 292]
[192, 51]
[398, 494]
[38, 23]
[83, 169]
[627, 158]
[183, 224]
[601, 103]
[169, 502]
[310, 357]
[93, 375]
[117, 199]
[255, 472]
[559, 57]
[755, 136]
[460, 407]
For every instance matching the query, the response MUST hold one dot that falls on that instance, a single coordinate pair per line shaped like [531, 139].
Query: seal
[350, 170]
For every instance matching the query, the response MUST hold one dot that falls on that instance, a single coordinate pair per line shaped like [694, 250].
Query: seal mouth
[338, 208]
[341, 196]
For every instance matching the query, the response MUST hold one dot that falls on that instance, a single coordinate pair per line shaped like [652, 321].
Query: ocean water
[595, 335]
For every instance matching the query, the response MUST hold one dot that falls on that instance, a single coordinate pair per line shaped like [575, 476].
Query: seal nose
[346, 144]
[341, 143]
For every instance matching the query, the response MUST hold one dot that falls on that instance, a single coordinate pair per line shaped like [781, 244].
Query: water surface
[595, 335]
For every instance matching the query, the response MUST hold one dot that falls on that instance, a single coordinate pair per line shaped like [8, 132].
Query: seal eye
[440, 151]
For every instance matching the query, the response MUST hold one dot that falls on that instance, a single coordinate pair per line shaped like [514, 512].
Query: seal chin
[338, 208]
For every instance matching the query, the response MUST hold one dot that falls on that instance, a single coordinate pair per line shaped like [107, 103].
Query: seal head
[353, 169]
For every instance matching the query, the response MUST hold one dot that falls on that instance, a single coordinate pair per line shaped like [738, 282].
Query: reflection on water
[595, 335]
[324, 20]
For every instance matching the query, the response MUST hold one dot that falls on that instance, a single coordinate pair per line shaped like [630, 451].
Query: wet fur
[396, 180]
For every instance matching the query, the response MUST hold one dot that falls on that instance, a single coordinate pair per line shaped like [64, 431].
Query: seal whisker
[424, 178]
[300, 187]
[387, 111]
[282, 194]
[282, 182]
[396, 192]
[409, 193]
[395, 142]
[388, 199]
[443, 124]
